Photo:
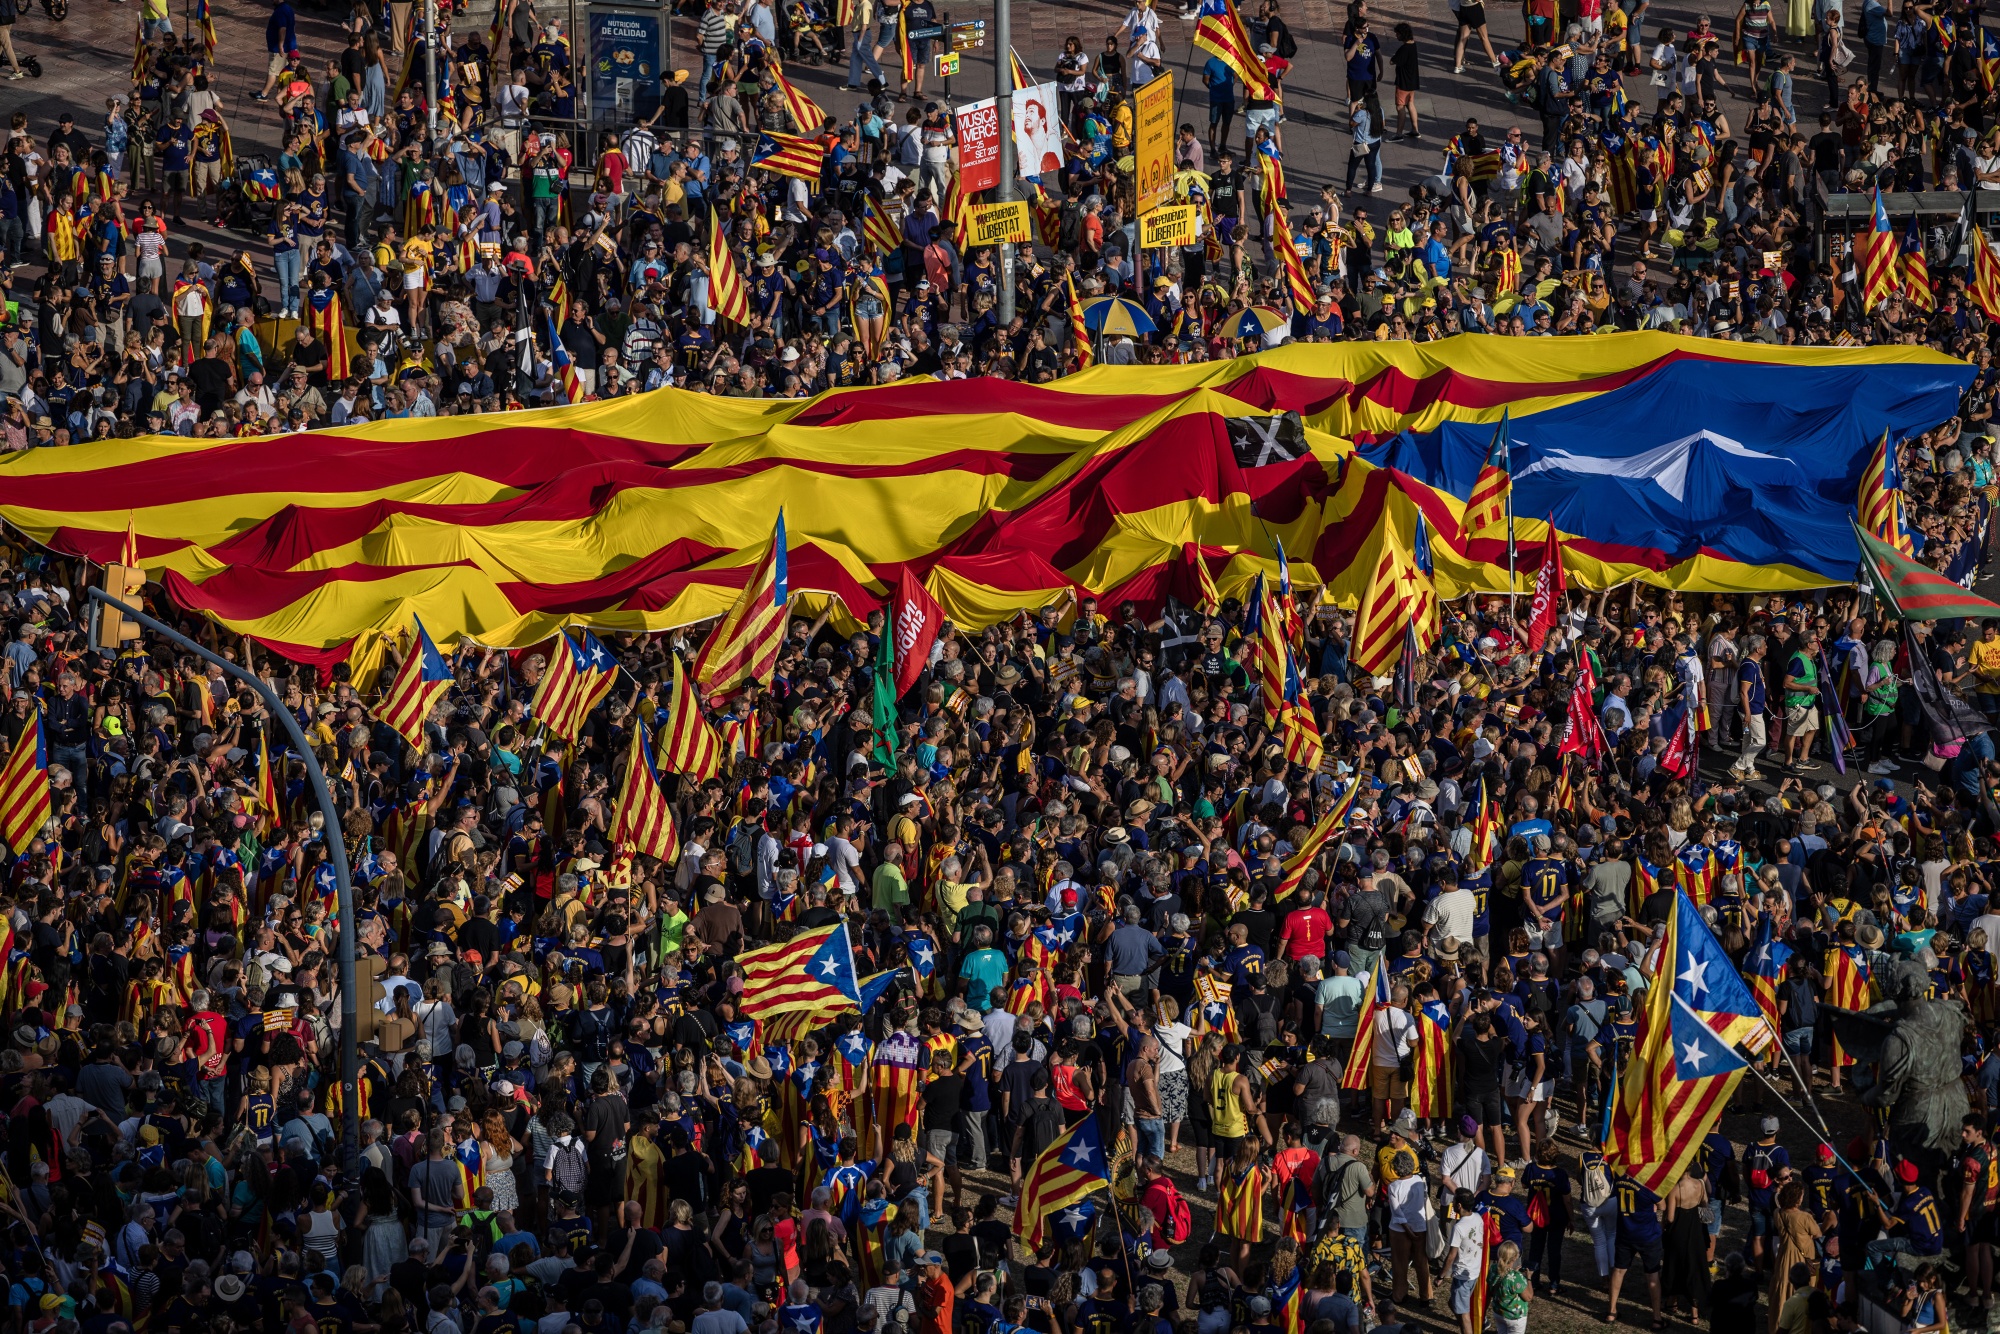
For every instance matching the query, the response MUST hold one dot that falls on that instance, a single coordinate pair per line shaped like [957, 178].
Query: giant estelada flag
[1691, 463]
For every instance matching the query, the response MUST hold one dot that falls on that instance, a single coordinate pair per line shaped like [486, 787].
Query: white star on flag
[1695, 976]
[829, 967]
[1073, 1217]
[1693, 1055]
[1078, 1154]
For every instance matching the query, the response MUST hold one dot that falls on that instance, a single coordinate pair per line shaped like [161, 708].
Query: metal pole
[350, 1043]
[1003, 100]
[431, 63]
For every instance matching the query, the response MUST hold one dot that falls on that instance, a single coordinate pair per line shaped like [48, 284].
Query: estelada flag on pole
[744, 645]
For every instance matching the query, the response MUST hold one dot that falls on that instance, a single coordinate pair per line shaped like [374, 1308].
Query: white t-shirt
[1173, 1043]
[1464, 1166]
[1465, 1236]
[1407, 1197]
[1395, 1033]
[1453, 912]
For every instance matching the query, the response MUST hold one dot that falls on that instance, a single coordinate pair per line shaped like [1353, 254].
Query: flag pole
[1814, 1130]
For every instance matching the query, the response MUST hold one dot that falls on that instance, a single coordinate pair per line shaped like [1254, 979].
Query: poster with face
[1038, 131]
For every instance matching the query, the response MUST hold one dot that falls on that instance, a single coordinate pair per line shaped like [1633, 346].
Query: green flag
[1915, 592]
[885, 699]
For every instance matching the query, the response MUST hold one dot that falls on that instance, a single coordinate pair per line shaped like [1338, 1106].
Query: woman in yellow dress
[643, 1166]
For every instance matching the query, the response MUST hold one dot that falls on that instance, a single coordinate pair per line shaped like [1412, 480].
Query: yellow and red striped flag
[727, 295]
[1324, 828]
[807, 114]
[789, 155]
[1387, 607]
[957, 212]
[1068, 1170]
[811, 971]
[1219, 31]
[1285, 247]
[903, 51]
[1985, 286]
[644, 822]
[1213, 1010]
[1880, 499]
[25, 805]
[420, 683]
[693, 748]
[1486, 509]
[1374, 1000]
[1430, 1082]
[578, 680]
[1875, 255]
[744, 645]
[1079, 332]
[876, 227]
[270, 814]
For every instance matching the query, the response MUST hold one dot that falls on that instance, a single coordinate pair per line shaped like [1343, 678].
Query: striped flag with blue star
[811, 970]
[744, 645]
[789, 155]
[1067, 1171]
[578, 679]
[1764, 965]
[420, 683]
[1684, 1068]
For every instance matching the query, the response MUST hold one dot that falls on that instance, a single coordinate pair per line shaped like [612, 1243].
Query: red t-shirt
[208, 1033]
[934, 1305]
[1304, 936]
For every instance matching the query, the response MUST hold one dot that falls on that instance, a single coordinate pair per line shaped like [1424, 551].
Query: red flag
[1550, 586]
[1582, 733]
[916, 623]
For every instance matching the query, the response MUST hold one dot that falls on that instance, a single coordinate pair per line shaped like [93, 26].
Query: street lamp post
[350, 1042]
[1003, 100]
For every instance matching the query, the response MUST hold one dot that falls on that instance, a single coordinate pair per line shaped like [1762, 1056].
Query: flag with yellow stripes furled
[744, 645]
[727, 295]
[1324, 828]
[25, 804]
[1373, 1002]
[1397, 597]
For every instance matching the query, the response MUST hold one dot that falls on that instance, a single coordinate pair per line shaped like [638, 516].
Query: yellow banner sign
[993, 224]
[1170, 226]
[1153, 140]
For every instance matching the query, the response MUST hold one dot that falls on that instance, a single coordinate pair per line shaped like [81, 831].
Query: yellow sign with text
[995, 224]
[1173, 225]
[1153, 140]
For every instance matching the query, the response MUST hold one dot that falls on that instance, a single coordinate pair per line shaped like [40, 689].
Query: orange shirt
[934, 1305]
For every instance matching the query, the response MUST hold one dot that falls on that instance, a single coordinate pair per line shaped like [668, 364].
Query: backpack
[592, 1038]
[570, 1167]
[1596, 1186]
[1757, 1166]
[743, 849]
[1070, 231]
[1178, 1223]
[1263, 1018]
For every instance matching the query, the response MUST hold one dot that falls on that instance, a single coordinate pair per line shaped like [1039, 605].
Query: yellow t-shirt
[1985, 662]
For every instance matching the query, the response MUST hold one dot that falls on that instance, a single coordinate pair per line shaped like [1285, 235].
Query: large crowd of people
[1069, 865]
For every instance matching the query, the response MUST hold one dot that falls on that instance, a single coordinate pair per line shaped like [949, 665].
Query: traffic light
[113, 629]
